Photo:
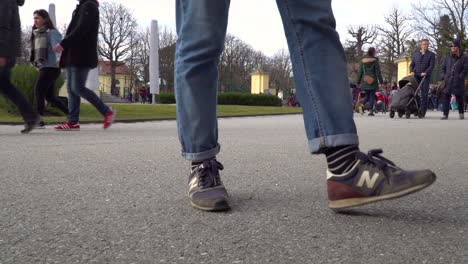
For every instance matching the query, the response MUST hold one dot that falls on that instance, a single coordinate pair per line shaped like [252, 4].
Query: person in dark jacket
[79, 55]
[369, 76]
[10, 43]
[453, 72]
[44, 36]
[422, 65]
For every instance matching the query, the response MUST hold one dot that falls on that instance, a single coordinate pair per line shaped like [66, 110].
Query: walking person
[353, 178]
[422, 65]
[43, 38]
[369, 76]
[453, 72]
[143, 94]
[10, 48]
[79, 56]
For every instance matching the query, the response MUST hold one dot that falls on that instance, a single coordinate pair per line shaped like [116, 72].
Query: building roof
[104, 68]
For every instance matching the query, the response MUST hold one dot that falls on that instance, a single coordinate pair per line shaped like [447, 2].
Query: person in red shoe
[79, 55]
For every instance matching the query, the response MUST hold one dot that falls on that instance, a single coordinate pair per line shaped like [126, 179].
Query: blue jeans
[370, 97]
[12, 94]
[424, 92]
[76, 81]
[319, 68]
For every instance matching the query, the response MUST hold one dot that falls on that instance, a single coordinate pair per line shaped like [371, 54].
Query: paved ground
[119, 196]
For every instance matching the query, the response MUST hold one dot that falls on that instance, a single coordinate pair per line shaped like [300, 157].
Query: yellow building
[403, 67]
[122, 75]
[122, 78]
[260, 81]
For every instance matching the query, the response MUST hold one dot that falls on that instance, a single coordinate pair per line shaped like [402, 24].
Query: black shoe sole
[347, 203]
[217, 207]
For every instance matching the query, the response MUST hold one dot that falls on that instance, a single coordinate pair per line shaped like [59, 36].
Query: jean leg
[78, 85]
[424, 93]
[13, 94]
[74, 99]
[201, 29]
[371, 99]
[365, 99]
[320, 73]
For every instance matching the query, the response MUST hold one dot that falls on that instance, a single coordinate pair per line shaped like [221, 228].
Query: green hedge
[168, 98]
[248, 99]
[24, 78]
[231, 99]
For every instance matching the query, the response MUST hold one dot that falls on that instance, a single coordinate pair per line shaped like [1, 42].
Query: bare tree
[362, 35]
[237, 62]
[457, 10]
[25, 45]
[397, 30]
[116, 28]
[280, 69]
[167, 45]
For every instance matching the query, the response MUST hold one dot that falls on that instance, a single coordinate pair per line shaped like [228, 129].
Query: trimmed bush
[231, 99]
[248, 99]
[24, 78]
[165, 98]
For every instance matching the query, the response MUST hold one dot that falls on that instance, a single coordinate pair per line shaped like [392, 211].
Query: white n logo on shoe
[193, 183]
[367, 179]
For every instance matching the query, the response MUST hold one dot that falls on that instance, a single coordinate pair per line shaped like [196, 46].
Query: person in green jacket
[370, 78]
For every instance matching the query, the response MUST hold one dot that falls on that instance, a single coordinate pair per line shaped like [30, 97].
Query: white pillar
[52, 14]
[154, 60]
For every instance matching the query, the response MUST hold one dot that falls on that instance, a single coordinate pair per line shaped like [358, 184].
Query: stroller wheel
[407, 114]
[400, 114]
[392, 114]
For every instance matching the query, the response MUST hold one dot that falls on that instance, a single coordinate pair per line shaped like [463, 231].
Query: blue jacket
[422, 63]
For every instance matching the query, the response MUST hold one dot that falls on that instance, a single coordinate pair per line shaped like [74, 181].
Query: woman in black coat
[453, 72]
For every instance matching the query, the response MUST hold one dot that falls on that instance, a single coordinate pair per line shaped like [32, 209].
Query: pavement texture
[120, 196]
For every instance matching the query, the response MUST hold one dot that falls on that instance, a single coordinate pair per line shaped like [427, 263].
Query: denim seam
[306, 75]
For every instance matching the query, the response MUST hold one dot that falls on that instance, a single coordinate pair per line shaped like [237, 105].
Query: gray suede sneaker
[206, 190]
[30, 125]
[374, 178]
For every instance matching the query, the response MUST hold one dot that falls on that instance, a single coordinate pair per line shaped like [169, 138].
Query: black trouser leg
[446, 103]
[461, 104]
[13, 94]
[45, 90]
[50, 96]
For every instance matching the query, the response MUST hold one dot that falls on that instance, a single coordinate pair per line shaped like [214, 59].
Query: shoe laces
[374, 158]
[208, 173]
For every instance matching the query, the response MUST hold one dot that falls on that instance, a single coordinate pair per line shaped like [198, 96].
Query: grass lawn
[145, 112]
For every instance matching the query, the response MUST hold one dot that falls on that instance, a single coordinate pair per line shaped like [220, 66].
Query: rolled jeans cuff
[318, 145]
[202, 155]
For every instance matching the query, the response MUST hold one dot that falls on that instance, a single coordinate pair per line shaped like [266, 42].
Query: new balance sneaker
[109, 118]
[206, 190]
[30, 125]
[461, 116]
[374, 178]
[67, 126]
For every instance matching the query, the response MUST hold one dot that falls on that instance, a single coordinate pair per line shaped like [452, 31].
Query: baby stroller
[406, 101]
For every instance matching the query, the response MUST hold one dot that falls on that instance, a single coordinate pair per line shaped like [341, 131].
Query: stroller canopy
[408, 79]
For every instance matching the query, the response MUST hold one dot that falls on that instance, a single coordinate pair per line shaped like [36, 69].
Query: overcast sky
[256, 22]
